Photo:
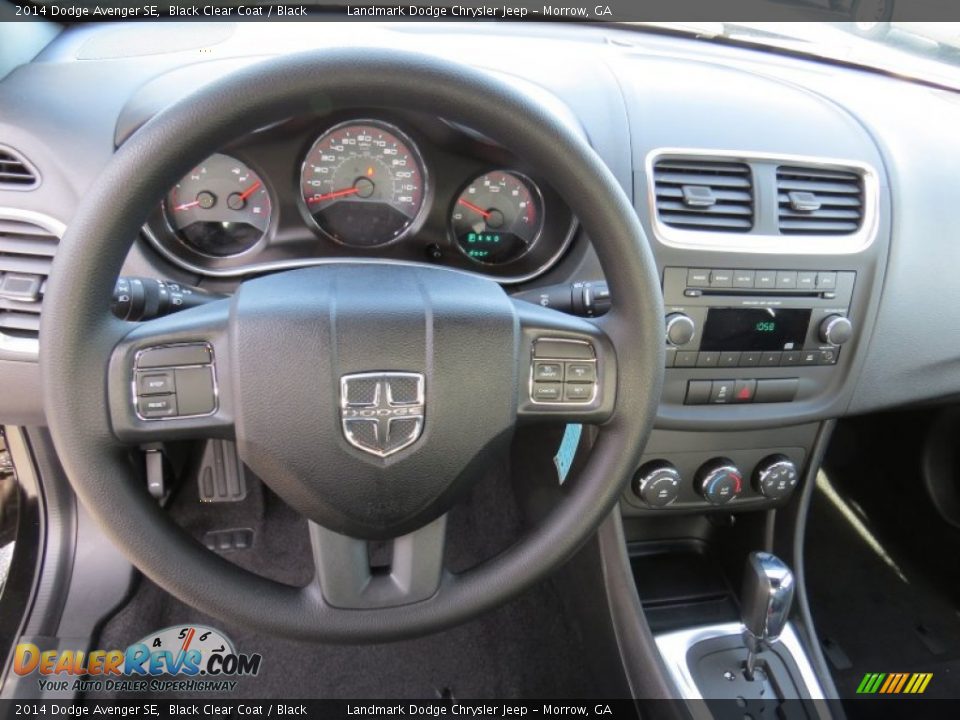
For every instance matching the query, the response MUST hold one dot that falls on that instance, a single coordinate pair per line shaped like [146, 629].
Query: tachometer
[498, 217]
[221, 208]
[363, 183]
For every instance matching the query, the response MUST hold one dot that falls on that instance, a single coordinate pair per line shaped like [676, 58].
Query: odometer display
[363, 183]
[498, 217]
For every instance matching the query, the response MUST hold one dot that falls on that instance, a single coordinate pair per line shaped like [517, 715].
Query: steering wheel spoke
[567, 367]
[167, 378]
[348, 579]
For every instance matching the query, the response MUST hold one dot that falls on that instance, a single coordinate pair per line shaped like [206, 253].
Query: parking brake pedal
[221, 477]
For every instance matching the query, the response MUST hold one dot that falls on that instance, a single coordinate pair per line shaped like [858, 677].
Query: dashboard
[802, 223]
[361, 183]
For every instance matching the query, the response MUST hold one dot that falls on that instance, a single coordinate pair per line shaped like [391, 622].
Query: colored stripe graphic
[894, 683]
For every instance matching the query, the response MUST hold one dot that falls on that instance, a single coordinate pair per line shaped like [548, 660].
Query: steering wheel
[367, 395]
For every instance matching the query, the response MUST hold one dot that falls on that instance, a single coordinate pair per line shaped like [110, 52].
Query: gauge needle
[187, 206]
[466, 203]
[334, 194]
[249, 191]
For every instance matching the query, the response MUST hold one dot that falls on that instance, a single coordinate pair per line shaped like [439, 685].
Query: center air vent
[814, 201]
[15, 171]
[27, 248]
[704, 195]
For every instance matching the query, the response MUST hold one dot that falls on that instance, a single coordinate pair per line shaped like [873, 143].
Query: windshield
[927, 51]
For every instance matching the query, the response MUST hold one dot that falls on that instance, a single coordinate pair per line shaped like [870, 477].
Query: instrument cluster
[314, 189]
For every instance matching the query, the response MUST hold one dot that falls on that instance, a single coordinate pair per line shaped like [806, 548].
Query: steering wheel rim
[76, 346]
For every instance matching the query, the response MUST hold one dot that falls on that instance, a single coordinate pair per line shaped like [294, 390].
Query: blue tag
[567, 450]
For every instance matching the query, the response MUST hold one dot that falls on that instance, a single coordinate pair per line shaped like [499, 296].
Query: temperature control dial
[775, 477]
[657, 483]
[719, 481]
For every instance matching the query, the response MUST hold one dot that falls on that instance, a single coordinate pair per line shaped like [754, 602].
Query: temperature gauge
[498, 217]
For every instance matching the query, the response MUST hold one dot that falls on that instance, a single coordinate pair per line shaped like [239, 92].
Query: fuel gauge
[221, 208]
[498, 217]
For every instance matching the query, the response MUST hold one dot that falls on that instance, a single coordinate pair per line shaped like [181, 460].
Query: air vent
[15, 171]
[704, 195]
[815, 201]
[27, 248]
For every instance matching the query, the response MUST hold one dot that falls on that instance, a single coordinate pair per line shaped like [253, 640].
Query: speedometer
[363, 183]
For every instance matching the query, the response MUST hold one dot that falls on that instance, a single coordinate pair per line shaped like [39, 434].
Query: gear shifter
[765, 603]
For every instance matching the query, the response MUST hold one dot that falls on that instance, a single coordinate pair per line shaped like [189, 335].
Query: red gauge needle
[249, 191]
[187, 206]
[334, 194]
[480, 211]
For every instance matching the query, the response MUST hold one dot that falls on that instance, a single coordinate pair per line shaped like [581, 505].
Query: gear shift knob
[765, 602]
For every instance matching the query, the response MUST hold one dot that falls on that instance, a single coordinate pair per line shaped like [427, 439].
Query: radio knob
[836, 329]
[657, 483]
[680, 329]
[775, 477]
[719, 481]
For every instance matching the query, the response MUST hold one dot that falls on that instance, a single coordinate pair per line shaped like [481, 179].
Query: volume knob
[836, 329]
[680, 329]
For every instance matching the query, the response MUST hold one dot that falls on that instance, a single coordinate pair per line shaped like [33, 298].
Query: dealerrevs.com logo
[184, 658]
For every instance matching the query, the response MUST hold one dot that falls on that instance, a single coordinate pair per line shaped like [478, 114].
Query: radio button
[826, 281]
[806, 280]
[698, 392]
[829, 357]
[721, 278]
[728, 359]
[765, 279]
[722, 392]
[769, 359]
[708, 359]
[685, 359]
[810, 357]
[698, 278]
[791, 357]
[749, 359]
[786, 279]
[743, 278]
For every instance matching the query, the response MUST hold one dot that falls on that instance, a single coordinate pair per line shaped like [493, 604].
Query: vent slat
[727, 204]
[24, 248]
[15, 171]
[836, 197]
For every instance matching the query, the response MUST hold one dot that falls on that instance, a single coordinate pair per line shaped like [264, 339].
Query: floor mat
[870, 602]
[528, 648]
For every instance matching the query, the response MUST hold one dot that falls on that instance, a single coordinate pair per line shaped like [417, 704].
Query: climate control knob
[719, 481]
[680, 329]
[836, 329]
[657, 483]
[775, 477]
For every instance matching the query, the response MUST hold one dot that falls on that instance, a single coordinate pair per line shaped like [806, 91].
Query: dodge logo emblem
[382, 413]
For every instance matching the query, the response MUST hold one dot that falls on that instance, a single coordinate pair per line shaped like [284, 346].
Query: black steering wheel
[367, 395]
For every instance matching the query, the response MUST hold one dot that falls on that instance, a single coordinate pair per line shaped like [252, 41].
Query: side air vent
[704, 195]
[815, 201]
[15, 171]
[27, 247]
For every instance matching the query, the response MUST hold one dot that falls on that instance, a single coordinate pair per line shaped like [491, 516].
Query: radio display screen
[747, 329]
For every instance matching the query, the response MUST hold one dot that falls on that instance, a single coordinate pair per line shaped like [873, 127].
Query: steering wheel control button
[559, 349]
[657, 483]
[175, 356]
[581, 372]
[548, 372]
[155, 383]
[157, 406]
[775, 477]
[577, 392]
[719, 481]
[547, 392]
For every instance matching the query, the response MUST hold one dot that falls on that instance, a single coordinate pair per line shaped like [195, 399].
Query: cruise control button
[581, 372]
[175, 355]
[155, 383]
[195, 391]
[548, 372]
[547, 392]
[157, 406]
[577, 392]
[558, 349]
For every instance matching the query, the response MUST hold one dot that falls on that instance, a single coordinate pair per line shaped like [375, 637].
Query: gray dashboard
[632, 95]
